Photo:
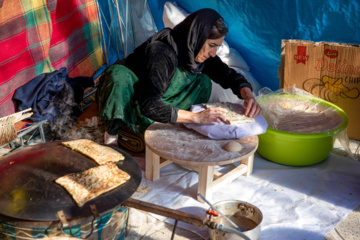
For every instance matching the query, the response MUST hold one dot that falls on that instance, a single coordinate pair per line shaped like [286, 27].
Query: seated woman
[166, 75]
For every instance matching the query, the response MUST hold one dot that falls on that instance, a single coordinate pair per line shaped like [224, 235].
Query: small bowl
[246, 211]
[299, 149]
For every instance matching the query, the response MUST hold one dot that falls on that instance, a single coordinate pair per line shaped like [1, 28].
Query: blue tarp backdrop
[258, 26]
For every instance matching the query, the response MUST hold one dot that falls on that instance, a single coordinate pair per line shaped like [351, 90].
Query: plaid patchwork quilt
[39, 36]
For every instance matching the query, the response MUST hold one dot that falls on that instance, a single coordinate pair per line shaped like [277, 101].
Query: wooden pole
[166, 212]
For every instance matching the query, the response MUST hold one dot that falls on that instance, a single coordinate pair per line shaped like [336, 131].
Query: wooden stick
[167, 212]
[24, 116]
[18, 116]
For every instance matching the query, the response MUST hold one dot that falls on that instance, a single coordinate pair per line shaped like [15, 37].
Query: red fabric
[43, 36]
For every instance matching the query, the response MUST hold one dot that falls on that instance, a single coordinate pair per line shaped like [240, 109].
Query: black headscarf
[188, 37]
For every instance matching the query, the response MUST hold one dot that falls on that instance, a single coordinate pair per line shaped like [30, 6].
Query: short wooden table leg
[152, 165]
[206, 176]
[249, 162]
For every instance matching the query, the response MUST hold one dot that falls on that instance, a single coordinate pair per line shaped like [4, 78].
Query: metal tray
[28, 190]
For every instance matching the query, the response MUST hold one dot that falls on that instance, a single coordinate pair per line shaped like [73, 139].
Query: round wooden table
[168, 143]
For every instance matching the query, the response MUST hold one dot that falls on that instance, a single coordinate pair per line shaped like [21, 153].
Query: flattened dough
[233, 115]
[93, 182]
[100, 154]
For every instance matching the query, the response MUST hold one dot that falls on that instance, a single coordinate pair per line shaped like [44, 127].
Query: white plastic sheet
[297, 202]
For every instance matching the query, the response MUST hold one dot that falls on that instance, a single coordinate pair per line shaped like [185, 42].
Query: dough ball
[233, 146]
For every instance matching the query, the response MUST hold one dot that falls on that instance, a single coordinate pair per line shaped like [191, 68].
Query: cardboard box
[327, 70]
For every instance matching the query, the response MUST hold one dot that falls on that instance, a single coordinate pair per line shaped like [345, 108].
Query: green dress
[116, 101]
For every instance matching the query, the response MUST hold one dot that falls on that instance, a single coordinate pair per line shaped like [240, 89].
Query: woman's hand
[205, 117]
[210, 115]
[252, 106]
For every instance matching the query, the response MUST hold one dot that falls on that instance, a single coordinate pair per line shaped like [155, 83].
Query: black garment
[50, 93]
[155, 61]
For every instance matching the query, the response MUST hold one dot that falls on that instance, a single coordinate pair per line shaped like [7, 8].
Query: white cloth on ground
[296, 202]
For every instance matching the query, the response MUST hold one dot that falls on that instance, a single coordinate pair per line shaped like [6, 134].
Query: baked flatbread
[234, 114]
[101, 154]
[93, 182]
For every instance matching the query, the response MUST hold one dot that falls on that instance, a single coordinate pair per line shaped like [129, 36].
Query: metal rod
[126, 24]
[213, 207]
[116, 4]
[113, 26]
[130, 32]
[42, 134]
[132, 29]
[108, 28]
[90, 92]
[102, 33]
[174, 229]
[116, 29]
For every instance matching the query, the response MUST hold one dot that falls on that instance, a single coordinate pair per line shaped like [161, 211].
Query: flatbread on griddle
[234, 114]
[99, 153]
[93, 182]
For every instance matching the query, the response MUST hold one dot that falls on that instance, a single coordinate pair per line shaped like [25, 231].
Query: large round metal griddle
[28, 190]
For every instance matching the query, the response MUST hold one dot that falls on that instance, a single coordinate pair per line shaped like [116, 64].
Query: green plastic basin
[299, 149]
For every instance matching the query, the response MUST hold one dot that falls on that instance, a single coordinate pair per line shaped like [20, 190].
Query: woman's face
[209, 49]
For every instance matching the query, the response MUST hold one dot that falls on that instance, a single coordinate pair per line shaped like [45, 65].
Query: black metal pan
[28, 190]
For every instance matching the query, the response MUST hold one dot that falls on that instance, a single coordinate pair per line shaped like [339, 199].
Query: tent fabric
[42, 36]
[137, 18]
[257, 27]
[32, 33]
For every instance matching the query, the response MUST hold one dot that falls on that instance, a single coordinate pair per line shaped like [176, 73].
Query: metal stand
[33, 132]
[65, 224]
